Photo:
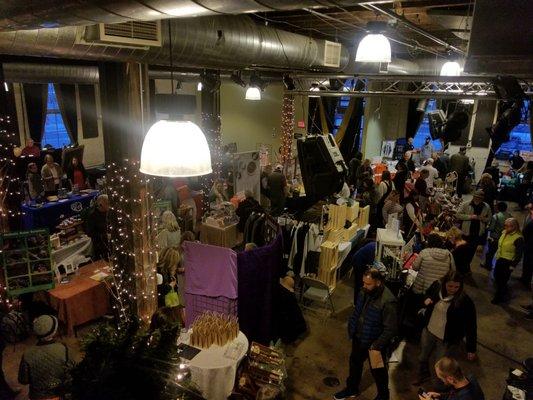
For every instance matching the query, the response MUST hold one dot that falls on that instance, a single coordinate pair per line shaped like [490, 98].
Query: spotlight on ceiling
[374, 47]
[236, 77]
[288, 82]
[450, 68]
[210, 81]
[253, 93]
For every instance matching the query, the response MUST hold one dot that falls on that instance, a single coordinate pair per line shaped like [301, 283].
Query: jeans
[357, 359]
[492, 247]
[430, 343]
[502, 273]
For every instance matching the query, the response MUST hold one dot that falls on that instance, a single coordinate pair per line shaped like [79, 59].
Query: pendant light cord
[170, 54]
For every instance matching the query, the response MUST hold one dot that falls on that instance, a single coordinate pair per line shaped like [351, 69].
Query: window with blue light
[423, 130]
[55, 133]
[520, 137]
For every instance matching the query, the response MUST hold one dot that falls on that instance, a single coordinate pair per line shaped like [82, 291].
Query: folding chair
[317, 291]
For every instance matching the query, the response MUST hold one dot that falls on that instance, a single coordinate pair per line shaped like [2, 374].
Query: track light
[374, 47]
[253, 93]
[236, 77]
[288, 82]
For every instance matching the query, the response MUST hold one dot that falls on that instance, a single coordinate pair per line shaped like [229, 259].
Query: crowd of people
[435, 312]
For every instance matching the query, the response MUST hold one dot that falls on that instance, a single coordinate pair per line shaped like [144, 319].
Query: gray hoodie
[431, 264]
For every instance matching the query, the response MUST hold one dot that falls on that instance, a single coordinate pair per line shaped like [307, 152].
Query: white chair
[317, 291]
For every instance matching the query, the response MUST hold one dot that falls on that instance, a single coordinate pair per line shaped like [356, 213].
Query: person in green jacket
[509, 254]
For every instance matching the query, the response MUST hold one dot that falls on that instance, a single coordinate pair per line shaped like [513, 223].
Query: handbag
[172, 299]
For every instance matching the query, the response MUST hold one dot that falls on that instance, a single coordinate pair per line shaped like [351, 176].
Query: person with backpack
[44, 365]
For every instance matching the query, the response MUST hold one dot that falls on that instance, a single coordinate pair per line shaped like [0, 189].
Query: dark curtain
[484, 118]
[349, 144]
[414, 118]
[321, 114]
[35, 97]
[89, 118]
[66, 100]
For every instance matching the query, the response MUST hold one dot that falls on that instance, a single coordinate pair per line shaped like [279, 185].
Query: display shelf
[20, 276]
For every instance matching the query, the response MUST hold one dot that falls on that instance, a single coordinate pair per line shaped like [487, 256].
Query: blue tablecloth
[51, 214]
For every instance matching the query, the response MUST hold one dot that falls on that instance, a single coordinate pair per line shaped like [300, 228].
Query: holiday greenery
[130, 363]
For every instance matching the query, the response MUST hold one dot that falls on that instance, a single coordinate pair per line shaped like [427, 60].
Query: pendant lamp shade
[374, 47]
[199, 87]
[175, 149]
[253, 93]
[450, 68]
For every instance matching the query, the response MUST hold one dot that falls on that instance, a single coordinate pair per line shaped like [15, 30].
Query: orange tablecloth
[82, 299]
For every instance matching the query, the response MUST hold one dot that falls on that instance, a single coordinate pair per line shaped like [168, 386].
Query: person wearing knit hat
[44, 365]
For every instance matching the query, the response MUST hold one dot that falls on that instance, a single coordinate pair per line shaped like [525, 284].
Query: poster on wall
[387, 148]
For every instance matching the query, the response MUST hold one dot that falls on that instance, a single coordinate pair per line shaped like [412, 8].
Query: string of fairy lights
[287, 129]
[131, 219]
[211, 128]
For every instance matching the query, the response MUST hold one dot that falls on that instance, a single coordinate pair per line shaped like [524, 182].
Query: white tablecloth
[213, 371]
[82, 246]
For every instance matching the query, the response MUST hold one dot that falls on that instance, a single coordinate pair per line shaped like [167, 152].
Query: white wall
[385, 119]
[251, 123]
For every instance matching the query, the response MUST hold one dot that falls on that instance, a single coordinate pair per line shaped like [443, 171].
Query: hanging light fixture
[374, 47]
[450, 68]
[174, 148]
[199, 87]
[253, 93]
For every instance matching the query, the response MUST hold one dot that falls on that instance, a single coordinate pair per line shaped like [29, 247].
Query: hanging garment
[258, 274]
[312, 242]
[299, 256]
[294, 245]
[210, 270]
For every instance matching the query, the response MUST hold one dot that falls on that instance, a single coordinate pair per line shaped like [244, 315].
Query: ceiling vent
[129, 34]
[332, 54]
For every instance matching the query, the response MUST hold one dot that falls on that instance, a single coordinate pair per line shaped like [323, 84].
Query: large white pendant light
[450, 68]
[374, 47]
[175, 149]
[253, 93]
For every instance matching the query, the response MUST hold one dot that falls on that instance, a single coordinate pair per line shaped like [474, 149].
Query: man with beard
[371, 328]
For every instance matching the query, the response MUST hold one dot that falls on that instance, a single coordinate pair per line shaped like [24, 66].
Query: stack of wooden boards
[335, 233]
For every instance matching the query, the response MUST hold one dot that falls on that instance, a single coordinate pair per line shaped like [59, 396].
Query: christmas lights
[287, 130]
[131, 230]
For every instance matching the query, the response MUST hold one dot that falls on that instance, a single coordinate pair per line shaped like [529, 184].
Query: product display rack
[25, 258]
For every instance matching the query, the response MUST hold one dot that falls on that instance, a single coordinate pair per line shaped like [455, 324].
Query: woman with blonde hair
[509, 254]
[170, 235]
[459, 249]
[167, 267]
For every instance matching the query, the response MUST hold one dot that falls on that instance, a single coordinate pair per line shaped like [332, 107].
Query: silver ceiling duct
[50, 73]
[217, 42]
[16, 15]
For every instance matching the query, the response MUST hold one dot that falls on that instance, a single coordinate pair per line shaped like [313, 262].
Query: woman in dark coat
[449, 317]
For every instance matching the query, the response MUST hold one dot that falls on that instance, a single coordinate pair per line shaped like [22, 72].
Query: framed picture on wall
[387, 148]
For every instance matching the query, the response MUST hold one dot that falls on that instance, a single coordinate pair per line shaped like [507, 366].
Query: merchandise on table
[212, 328]
[26, 261]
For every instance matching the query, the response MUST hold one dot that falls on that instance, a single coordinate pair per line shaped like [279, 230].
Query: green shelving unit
[26, 261]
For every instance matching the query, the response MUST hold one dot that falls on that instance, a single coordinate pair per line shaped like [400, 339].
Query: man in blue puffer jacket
[371, 327]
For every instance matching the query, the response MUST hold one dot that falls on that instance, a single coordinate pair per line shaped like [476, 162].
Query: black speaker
[436, 119]
[508, 88]
[322, 165]
[454, 125]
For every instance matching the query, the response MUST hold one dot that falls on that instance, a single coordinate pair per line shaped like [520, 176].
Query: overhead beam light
[450, 68]
[374, 47]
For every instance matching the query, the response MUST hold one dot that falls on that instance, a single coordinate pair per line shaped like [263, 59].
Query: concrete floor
[503, 336]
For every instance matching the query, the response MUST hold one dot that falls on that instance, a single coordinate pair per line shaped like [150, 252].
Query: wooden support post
[126, 118]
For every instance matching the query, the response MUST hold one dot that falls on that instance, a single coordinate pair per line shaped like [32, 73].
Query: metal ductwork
[53, 73]
[17, 15]
[212, 42]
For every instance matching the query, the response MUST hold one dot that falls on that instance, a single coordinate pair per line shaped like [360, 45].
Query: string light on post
[287, 128]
